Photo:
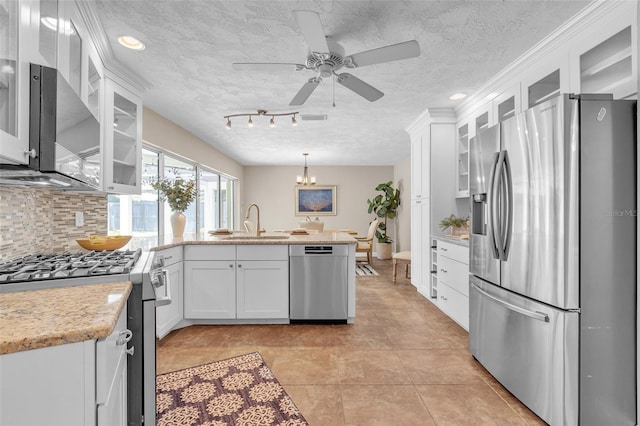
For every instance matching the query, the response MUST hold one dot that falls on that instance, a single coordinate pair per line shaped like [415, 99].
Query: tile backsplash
[44, 221]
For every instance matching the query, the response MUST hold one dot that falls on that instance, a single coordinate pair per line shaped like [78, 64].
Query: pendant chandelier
[305, 179]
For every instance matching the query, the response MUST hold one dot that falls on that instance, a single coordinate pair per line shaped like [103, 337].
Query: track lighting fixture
[262, 112]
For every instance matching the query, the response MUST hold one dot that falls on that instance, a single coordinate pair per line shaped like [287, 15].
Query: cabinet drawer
[110, 358]
[171, 255]
[453, 251]
[455, 274]
[210, 252]
[263, 252]
[454, 304]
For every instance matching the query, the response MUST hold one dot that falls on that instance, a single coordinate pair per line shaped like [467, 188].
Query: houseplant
[179, 193]
[385, 206]
[458, 225]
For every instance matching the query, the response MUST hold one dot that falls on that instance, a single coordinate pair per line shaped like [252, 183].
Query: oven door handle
[163, 281]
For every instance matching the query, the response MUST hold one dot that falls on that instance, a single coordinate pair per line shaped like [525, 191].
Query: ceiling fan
[326, 57]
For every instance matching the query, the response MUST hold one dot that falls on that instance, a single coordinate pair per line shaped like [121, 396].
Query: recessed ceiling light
[457, 96]
[131, 43]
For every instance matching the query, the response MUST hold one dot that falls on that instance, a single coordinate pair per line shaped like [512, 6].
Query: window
[142, 217]
[137, 215]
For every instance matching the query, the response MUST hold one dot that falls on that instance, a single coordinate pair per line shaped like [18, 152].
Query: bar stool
[404, 257]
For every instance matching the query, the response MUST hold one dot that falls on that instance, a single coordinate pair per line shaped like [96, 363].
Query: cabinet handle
[168, 257]
[231, 265]
[443, 249]
[111, 187]
[124, 337]
[239, 266]
[443, 298]
[443, 270]
[130, 350]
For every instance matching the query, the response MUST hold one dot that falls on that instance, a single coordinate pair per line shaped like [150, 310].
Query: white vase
[178, 220]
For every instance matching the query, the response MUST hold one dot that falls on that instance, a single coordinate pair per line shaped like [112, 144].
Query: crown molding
[560, 38]
[103, 47]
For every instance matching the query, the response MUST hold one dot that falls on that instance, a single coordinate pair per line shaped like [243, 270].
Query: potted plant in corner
[385, 206]
[179, 193]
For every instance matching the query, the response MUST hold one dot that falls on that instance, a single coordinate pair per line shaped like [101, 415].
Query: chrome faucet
[258, 220]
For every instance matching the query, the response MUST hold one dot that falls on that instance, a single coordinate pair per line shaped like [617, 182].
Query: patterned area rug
[365, 269]
[237, 391]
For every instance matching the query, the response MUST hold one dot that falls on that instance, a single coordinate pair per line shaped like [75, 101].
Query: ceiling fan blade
[393, 52]
[254, 66]
[363, 89]
[304, 93]
[313, 117]
[311, 29]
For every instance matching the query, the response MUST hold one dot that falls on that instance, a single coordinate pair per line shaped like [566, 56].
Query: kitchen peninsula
[245, 279]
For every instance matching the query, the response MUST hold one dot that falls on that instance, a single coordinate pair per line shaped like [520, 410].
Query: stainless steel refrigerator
[553, 258]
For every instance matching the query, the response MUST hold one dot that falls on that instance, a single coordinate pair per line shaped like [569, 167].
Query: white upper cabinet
[462, 163]
[123, 139]
[14, 82]
[506, 104]
[609, 67]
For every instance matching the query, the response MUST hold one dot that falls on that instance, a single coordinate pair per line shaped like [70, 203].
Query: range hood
[64, 138]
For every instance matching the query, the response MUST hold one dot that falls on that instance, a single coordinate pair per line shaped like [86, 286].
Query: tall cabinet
[436, 126]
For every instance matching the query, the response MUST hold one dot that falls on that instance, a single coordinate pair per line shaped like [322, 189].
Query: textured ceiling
[191, 45]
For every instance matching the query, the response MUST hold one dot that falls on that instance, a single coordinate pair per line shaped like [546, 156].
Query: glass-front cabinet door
[123, 139]
[14, 82]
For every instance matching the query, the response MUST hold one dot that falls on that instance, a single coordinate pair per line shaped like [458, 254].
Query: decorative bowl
[104, 242]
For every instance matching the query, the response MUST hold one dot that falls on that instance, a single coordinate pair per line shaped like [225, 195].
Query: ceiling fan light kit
[327, 57]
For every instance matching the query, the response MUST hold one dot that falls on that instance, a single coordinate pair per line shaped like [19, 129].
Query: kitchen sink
[254, 237]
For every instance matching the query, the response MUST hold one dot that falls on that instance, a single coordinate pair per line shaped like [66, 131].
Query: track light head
[250, 122]
[294, 122]
[228, 123]
[272, 122]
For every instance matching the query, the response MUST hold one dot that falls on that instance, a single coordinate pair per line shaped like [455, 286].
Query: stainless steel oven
[150, 288]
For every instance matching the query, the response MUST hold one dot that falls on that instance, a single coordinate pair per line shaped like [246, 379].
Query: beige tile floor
[403, 362]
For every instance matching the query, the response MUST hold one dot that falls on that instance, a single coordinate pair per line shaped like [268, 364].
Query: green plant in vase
[179, 193]
[458, 225]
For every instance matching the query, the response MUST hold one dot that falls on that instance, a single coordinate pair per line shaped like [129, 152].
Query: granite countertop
[452, 240]
[312, 238]
[54, 316]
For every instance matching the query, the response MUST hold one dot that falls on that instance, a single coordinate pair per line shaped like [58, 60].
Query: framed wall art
[316, 200]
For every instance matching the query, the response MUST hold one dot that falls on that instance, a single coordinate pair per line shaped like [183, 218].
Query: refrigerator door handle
[540, 316]
[509, 205]
[496, 231]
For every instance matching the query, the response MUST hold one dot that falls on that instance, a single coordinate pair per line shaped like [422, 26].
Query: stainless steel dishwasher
[318, 283]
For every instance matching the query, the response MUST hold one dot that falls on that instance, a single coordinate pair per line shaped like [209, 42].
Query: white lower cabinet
[252, 283]
[262, 289]
[209, 289]
[83, 383]
[168, 316]
[453, 281]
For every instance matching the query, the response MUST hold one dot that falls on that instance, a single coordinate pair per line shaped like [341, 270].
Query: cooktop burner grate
[64, 265]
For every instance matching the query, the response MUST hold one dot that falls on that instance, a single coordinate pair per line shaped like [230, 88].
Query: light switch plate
[79, 219]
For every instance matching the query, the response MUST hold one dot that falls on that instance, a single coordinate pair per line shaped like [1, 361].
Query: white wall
[272, 188]
[402, 179]
[165, 134]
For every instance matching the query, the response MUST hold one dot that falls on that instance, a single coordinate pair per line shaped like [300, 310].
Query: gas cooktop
[67, 265]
